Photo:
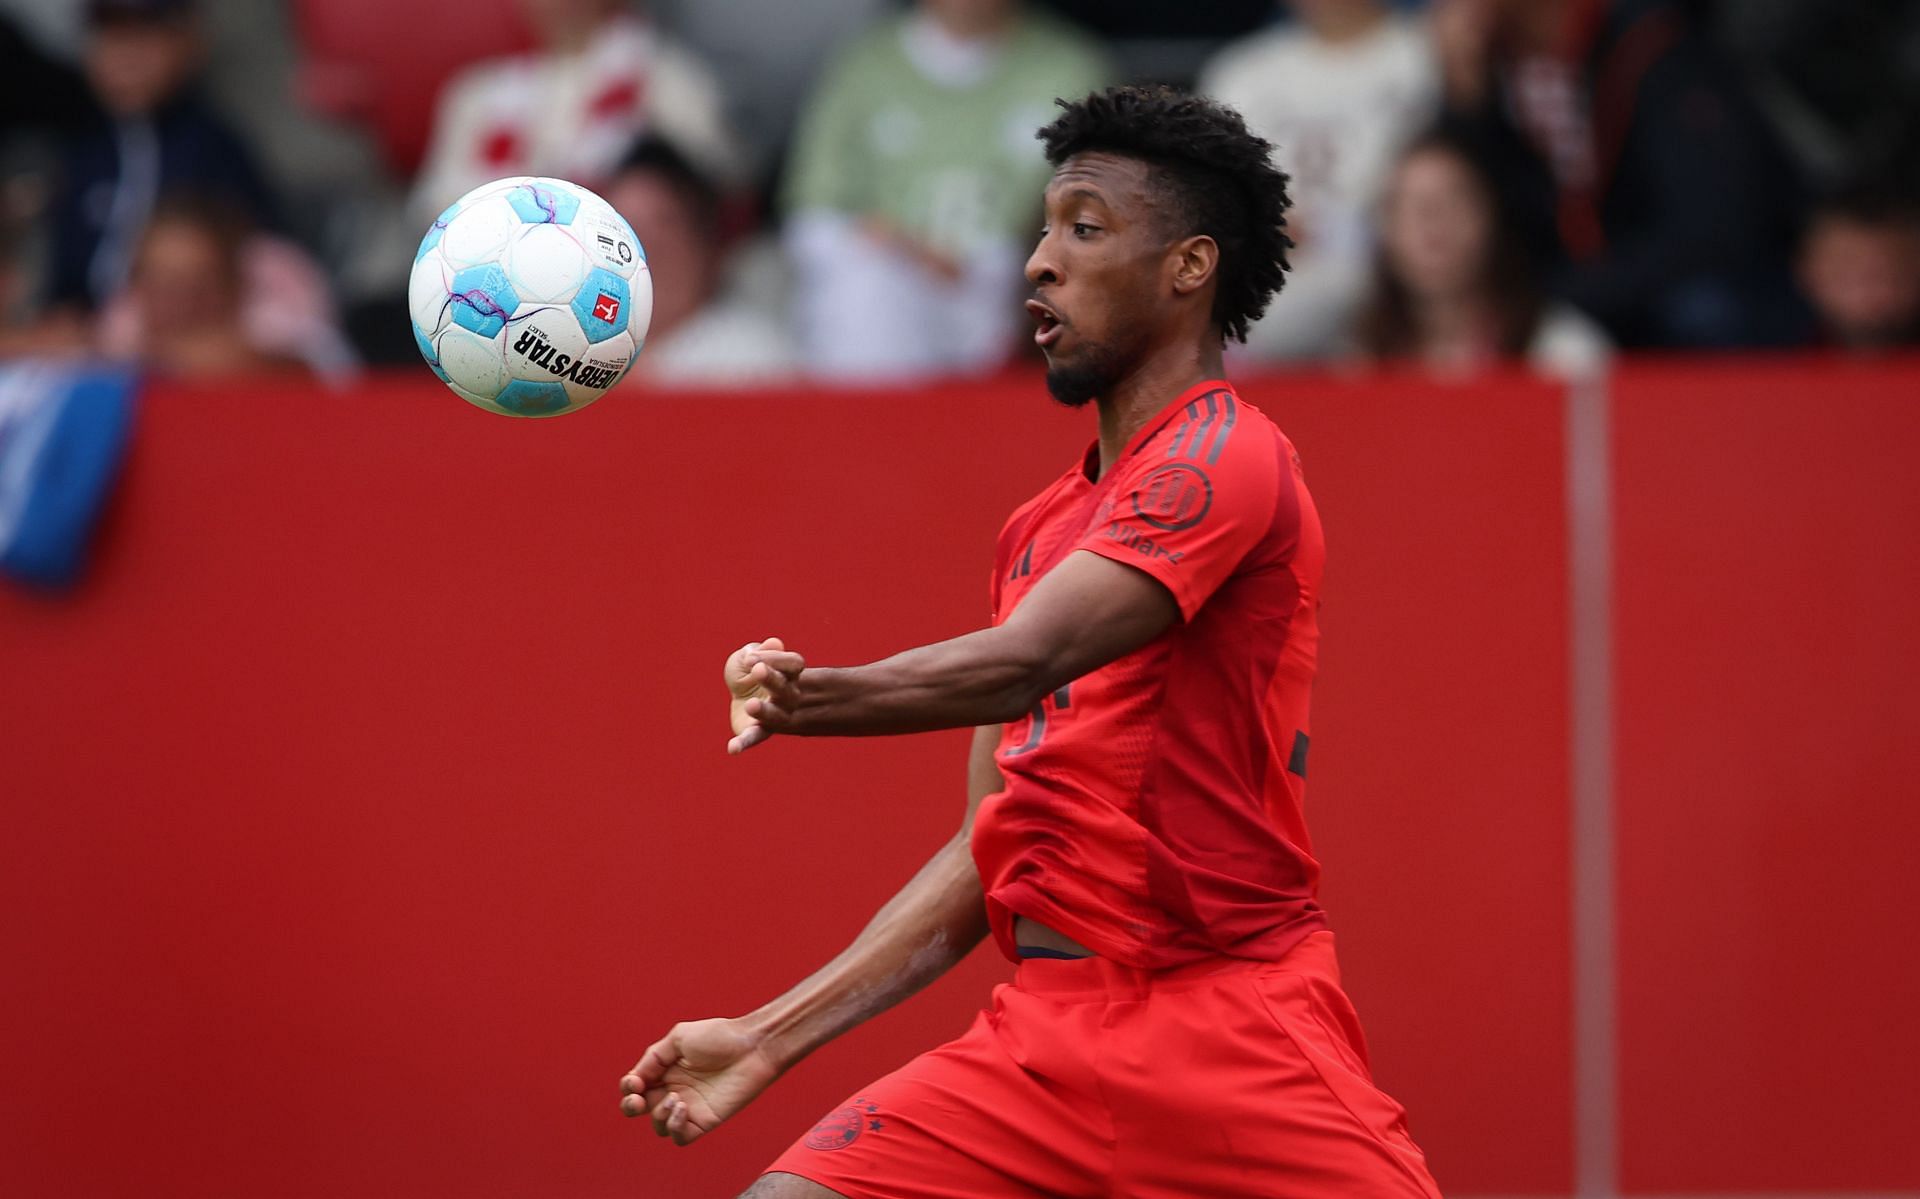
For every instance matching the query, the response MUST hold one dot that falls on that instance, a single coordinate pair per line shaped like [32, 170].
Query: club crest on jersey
[1175, 497]
[843, 1128]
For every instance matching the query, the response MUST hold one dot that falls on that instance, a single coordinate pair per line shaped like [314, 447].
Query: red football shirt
[1153, 808]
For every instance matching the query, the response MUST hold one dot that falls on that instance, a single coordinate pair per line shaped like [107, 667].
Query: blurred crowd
[846, 190]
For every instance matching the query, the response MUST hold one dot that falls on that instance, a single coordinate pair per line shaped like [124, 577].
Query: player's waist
[1036, 940]
[1308, 951]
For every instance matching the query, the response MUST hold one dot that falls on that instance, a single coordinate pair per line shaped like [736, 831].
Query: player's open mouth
[1048, 322]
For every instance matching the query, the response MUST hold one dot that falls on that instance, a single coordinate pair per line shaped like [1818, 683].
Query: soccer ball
[530, 297]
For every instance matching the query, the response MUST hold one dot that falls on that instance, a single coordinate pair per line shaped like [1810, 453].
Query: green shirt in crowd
[955, 164]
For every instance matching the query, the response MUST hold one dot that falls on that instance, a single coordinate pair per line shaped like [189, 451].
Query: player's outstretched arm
[1085, 613]
[703, 1072]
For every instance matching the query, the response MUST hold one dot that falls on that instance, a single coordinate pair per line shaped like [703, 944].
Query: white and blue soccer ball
[530, 297]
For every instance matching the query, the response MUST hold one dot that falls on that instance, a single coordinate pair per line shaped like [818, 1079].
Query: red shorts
[1227, 1078]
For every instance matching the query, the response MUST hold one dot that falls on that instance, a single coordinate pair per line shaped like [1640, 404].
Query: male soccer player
[1133, 836]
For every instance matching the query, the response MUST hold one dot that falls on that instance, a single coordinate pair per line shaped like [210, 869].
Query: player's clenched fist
[763, 680]
[696, 1076]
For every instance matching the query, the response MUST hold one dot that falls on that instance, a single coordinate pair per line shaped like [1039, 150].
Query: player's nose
[1043, 267]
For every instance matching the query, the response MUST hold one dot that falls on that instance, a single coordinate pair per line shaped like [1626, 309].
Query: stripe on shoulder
[1206, 428]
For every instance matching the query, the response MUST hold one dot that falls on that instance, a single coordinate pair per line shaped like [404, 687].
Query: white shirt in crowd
[1568, 344]
[729, 343]
[739, 338]
[573, 116]
[1338, 115]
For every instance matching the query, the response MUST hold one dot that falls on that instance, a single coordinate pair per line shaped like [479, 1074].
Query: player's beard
[1079, 383]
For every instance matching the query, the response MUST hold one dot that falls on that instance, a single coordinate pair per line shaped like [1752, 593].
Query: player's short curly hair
[1219, 180]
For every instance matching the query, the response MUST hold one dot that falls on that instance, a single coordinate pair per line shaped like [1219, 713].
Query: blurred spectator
[56, 26]
[44, 103]
[1860, 268]
[1453, 289]
[915, 182]
[1157, 19]
[571, 108]
[16, 284]
[209, 297]
[766, 52]
[1161, 41]
[1338, 94]
[1840, 80]
[36, 90]
[156, 134]
[700, 335]
[1634, 161]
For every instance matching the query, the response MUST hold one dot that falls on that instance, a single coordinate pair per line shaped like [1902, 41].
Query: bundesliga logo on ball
[530, 297]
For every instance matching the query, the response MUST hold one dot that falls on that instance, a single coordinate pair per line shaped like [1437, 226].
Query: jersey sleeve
[1192, 504]
[1003, 546]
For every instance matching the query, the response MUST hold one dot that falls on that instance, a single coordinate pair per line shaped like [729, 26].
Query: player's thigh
[1320, 1027]
[1005, 1112]
[788, 1186]
[1289, 1107]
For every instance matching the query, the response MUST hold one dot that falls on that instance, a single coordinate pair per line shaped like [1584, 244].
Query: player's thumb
[655, 1061]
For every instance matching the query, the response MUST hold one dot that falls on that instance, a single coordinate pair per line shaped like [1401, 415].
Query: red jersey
[1153, 808]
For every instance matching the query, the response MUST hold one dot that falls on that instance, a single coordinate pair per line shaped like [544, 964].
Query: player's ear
[1193, 260]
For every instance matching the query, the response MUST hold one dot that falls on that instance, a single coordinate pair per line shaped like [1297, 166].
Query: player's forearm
[987, 677]
[920, 934]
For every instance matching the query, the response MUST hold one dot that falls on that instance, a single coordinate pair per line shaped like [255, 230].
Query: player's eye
[1082, 229]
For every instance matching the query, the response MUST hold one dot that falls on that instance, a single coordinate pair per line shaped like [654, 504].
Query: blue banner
[63, 436]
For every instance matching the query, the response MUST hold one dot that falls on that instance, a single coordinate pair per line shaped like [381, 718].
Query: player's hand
[763, 680]
[697, 1076]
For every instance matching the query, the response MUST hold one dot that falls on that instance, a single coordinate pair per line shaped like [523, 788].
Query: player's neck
[1140, 396]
